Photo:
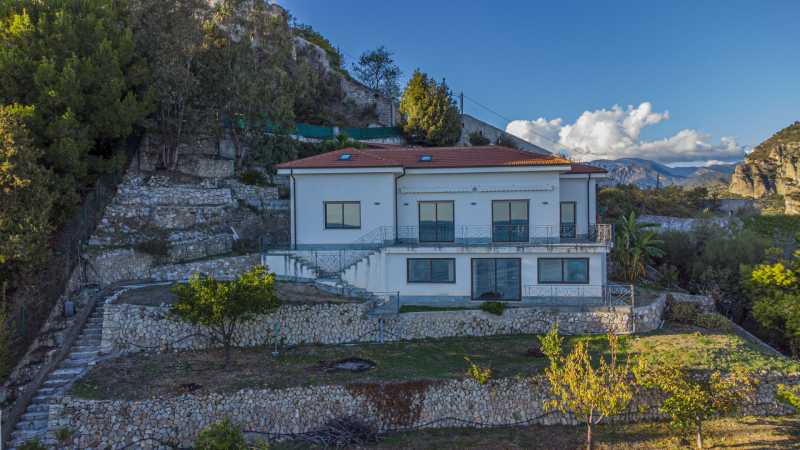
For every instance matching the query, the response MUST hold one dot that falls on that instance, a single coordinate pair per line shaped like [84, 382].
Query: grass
[747, 433]
[144, 376]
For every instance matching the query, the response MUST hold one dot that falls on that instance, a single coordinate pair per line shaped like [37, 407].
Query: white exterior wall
[574, 190]
[472, 194]
[375, 191]
[387, 271]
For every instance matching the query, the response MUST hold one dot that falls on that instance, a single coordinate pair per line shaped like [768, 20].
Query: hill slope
[772, 168]
[645, 173]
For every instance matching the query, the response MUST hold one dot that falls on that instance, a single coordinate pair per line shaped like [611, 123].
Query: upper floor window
[510, 221]
[436, 221]
[343, 215]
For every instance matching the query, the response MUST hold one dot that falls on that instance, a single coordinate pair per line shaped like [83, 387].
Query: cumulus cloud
[614, 133]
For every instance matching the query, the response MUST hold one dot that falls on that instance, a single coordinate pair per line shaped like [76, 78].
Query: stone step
[20, 436]
[42, 399]
[68, 373]
[84, 355]
[75, 363]
[30, 415]
[85, 347]
[54, 383]
[46, 390]
[32, 425]
[38, 408]
[86, 340]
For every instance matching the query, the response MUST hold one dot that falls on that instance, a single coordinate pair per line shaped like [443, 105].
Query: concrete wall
[471, 124]
[374, 191]
[473, 194]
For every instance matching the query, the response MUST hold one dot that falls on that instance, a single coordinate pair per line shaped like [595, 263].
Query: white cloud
[614, 133]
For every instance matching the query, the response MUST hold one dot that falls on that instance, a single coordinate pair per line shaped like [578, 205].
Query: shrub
[64, 435]
[224, 435]
[154, 247]
[253, 177]
[33, 444]
[495, 308]
[681, 312]
[245, 246]
[477, 139]
[5, 357]
[480, 374]
[713, 321]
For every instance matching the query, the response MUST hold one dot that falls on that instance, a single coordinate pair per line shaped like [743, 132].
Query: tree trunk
[699, 436]
[589, 443]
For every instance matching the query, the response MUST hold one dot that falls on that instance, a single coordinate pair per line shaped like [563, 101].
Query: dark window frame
[408, 271]
[527, 219]
[574, 222]
[563, 260]
[342, 202]
[436, 213]
[472, 276]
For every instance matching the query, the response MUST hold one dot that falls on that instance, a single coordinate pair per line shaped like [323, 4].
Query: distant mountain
[645, 173]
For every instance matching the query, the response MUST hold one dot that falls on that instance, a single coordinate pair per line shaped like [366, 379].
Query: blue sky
[722, 69]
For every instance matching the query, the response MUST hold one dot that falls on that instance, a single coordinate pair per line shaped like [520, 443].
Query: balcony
[440, 234]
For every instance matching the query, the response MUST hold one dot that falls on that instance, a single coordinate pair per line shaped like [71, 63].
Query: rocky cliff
[772, 168]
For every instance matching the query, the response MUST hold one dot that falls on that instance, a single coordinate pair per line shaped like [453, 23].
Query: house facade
[448, 226]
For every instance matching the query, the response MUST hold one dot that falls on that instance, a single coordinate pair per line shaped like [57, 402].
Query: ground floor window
[563, 270]
[431, 270]
[496, 279]
[345, 215]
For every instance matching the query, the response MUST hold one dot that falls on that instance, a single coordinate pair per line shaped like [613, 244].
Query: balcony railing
[466, 235]
[610, 294]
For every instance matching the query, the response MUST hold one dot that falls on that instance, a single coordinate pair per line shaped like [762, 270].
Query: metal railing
[611, 294]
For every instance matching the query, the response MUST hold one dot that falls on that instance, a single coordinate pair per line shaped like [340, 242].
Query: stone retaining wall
[130, 328]
[426, 404]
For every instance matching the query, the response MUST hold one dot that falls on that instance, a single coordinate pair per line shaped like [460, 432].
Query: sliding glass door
[436, 221]
[510, 221]
[496, 279]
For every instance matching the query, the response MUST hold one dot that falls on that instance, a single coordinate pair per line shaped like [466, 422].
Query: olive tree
[222, 307]
[590, 392]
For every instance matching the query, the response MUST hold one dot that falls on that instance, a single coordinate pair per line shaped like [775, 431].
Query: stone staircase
[84, 353]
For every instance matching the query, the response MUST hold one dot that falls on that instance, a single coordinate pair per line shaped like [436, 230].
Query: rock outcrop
[772, 168]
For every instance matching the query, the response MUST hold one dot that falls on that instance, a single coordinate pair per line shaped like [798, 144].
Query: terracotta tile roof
[585, 168]
[440, 157]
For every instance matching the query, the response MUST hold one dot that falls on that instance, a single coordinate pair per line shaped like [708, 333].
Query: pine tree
[430, 115]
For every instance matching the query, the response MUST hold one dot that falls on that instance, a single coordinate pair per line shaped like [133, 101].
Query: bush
[5, 353]
[480, 374]
[33, 444]
[713, 321]
[254, 178]
[158, 248]
[224, 435]
[477, 139]
[681, 312]
[495, 308]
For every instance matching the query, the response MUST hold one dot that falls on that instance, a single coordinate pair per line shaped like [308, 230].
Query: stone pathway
[84, 353]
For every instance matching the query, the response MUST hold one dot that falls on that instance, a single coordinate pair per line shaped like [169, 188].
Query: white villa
[448, 226]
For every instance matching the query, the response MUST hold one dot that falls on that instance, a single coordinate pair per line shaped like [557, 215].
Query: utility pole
[462, 103]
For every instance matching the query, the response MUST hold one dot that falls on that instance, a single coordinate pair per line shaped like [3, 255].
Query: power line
[556, 144]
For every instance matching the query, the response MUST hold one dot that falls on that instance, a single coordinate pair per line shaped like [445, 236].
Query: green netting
[361, 134]
[313, 131]
[319, 132]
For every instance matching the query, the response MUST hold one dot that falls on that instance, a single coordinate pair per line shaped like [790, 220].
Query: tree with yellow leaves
[590, 393]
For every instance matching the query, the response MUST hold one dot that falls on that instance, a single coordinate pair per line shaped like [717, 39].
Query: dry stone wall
[157, 423]
[131, 328]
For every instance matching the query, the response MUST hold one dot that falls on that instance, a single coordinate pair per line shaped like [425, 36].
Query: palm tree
[635, 247]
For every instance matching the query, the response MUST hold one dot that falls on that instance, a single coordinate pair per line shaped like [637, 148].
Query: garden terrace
[144, 376]
[287, 292]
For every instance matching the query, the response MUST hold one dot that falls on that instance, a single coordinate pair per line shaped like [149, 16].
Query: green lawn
[747, 433]
[143, 376]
